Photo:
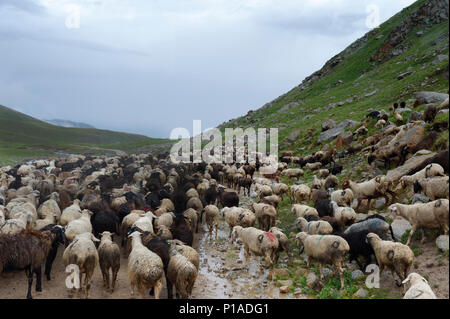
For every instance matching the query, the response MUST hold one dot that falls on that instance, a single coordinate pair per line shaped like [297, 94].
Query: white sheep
[79, 226]
[145, 268]
[266, 215]
[211, 217]
[319, 227]
[259, 242]
[16, 225]
[182, 274]
[82, 252]
[70, 213]
[342, 197]
[109, 259]
[429, 215]
[344, 215]
[145, 222]
[50, 208]
[303, 210]
[301, 193]
[187, 251]
[293, 172]
[419, 287]
[392, 255]
[433, 188]
[325, 249]
[429, 171]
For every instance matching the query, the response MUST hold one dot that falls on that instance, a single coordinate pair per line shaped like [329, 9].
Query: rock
[415, 116]
[357, 274]
[347, 138]
[289, 106]
[429, 264]
[360, 217]
[379, 36]
[307, 117]
[403, 109]
[426, 97]
[326, 272]
[313, 281]
[404, 75]
[301, 272]
[329, 124]
[281, 272]
[399, 227]
[336, 131]
[284, 289]
[380, 203]
[361, 293]
[442, 242]
[439, 59]
[419, 33]
[287, 283]
[371, 93]
[298, 292]
[292, 137]
[420, 198]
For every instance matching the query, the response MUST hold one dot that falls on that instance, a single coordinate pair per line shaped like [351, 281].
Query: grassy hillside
[22, 136]
[352, 74]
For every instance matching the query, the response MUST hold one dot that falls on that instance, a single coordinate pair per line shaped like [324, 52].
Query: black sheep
[359, 247]
[324, 207]
[337, 169]
[211, 195]
[181, 230]
[60, 238]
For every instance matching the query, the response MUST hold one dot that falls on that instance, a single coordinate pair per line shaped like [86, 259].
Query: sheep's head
[236, 232]
[301, 223]
[371, 237]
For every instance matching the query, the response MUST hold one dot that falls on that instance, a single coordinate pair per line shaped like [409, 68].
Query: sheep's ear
[406, 280]
[95, 239]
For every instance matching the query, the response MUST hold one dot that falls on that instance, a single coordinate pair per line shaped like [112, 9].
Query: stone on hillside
[419, 33]
[371, 93]
[307, 117]
[403, 109]
[442, 242]
[347, 138]
[360, 217]
[284, 289]
[439, 59]
[413, 162]
[328, 124]
[313, 281]
[357, 274]
[292, 137]
[420, 198]
[380, 203]
[336, 131]
[289, 106]
[426, 97]
[379, 36]
[404, 75]
[287, 283]
[415, 116]
[399, 227]
[361, 293]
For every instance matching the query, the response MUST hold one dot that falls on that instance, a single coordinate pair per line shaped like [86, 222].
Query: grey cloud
[29, 6]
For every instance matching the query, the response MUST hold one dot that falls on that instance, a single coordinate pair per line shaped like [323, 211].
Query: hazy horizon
[146, 67]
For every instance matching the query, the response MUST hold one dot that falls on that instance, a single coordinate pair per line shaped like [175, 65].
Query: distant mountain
[66, 123]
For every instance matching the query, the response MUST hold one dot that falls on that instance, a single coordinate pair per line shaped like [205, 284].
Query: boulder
[426, 97]
[399, 227]
[420, 198]
[357, 274]
[442, 242]
[361, 293]
[327, 125]
[404, 75]
[292, 137]
[336, 131]
[313, 281]
[439, 59]
[371, 93]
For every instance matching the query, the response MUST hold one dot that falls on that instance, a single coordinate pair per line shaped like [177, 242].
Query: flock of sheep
[156, 207]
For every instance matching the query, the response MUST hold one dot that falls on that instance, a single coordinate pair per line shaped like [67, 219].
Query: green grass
[23, 137]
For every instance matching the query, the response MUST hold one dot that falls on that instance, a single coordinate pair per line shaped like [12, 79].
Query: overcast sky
[148, 66]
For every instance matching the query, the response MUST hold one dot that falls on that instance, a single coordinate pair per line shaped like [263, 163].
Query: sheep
[82, 252]
[371, 189]
[359, 246]
[192, 192]
[165, 219]
[432, 215]
[301, 193]
[433, 188]
[145, 268]
[2, 216]
[345, 215]
[50, 208]
[380, 124]
[70, 213]
[193, 217]
[182, 274]
[187, 251]
[181, 230]
[211, 215]
[293, 172]
[342, 197]
[263, 190]
[58, 238]
[394, 256]
[109, 258]
[325, 249]
[317, 194]
[228, 198]
[316, 183]
[145, 222]
[273, 200]
[429, 171]
[376, 224]
[25, 250]
[128, 222]
[266, 215]
[16, 225]
[259, 242]
[314, 227]
[323, 172]
[164, 233]
[324, 207]
[279, 189]
[303, 210]
[419, 287]
[330, 182]
[79, 226]
[398, 118]
[283, 243]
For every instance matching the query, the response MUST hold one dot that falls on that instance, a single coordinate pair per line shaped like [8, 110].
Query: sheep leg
[49, 262]
[38, 272]
[423, 236]
[107, 278]
[169, 289]
[29, 274]
[413, 230]
[87, 284]
[158, 288]
[217, 230]
[113, 283]
[341, 275]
